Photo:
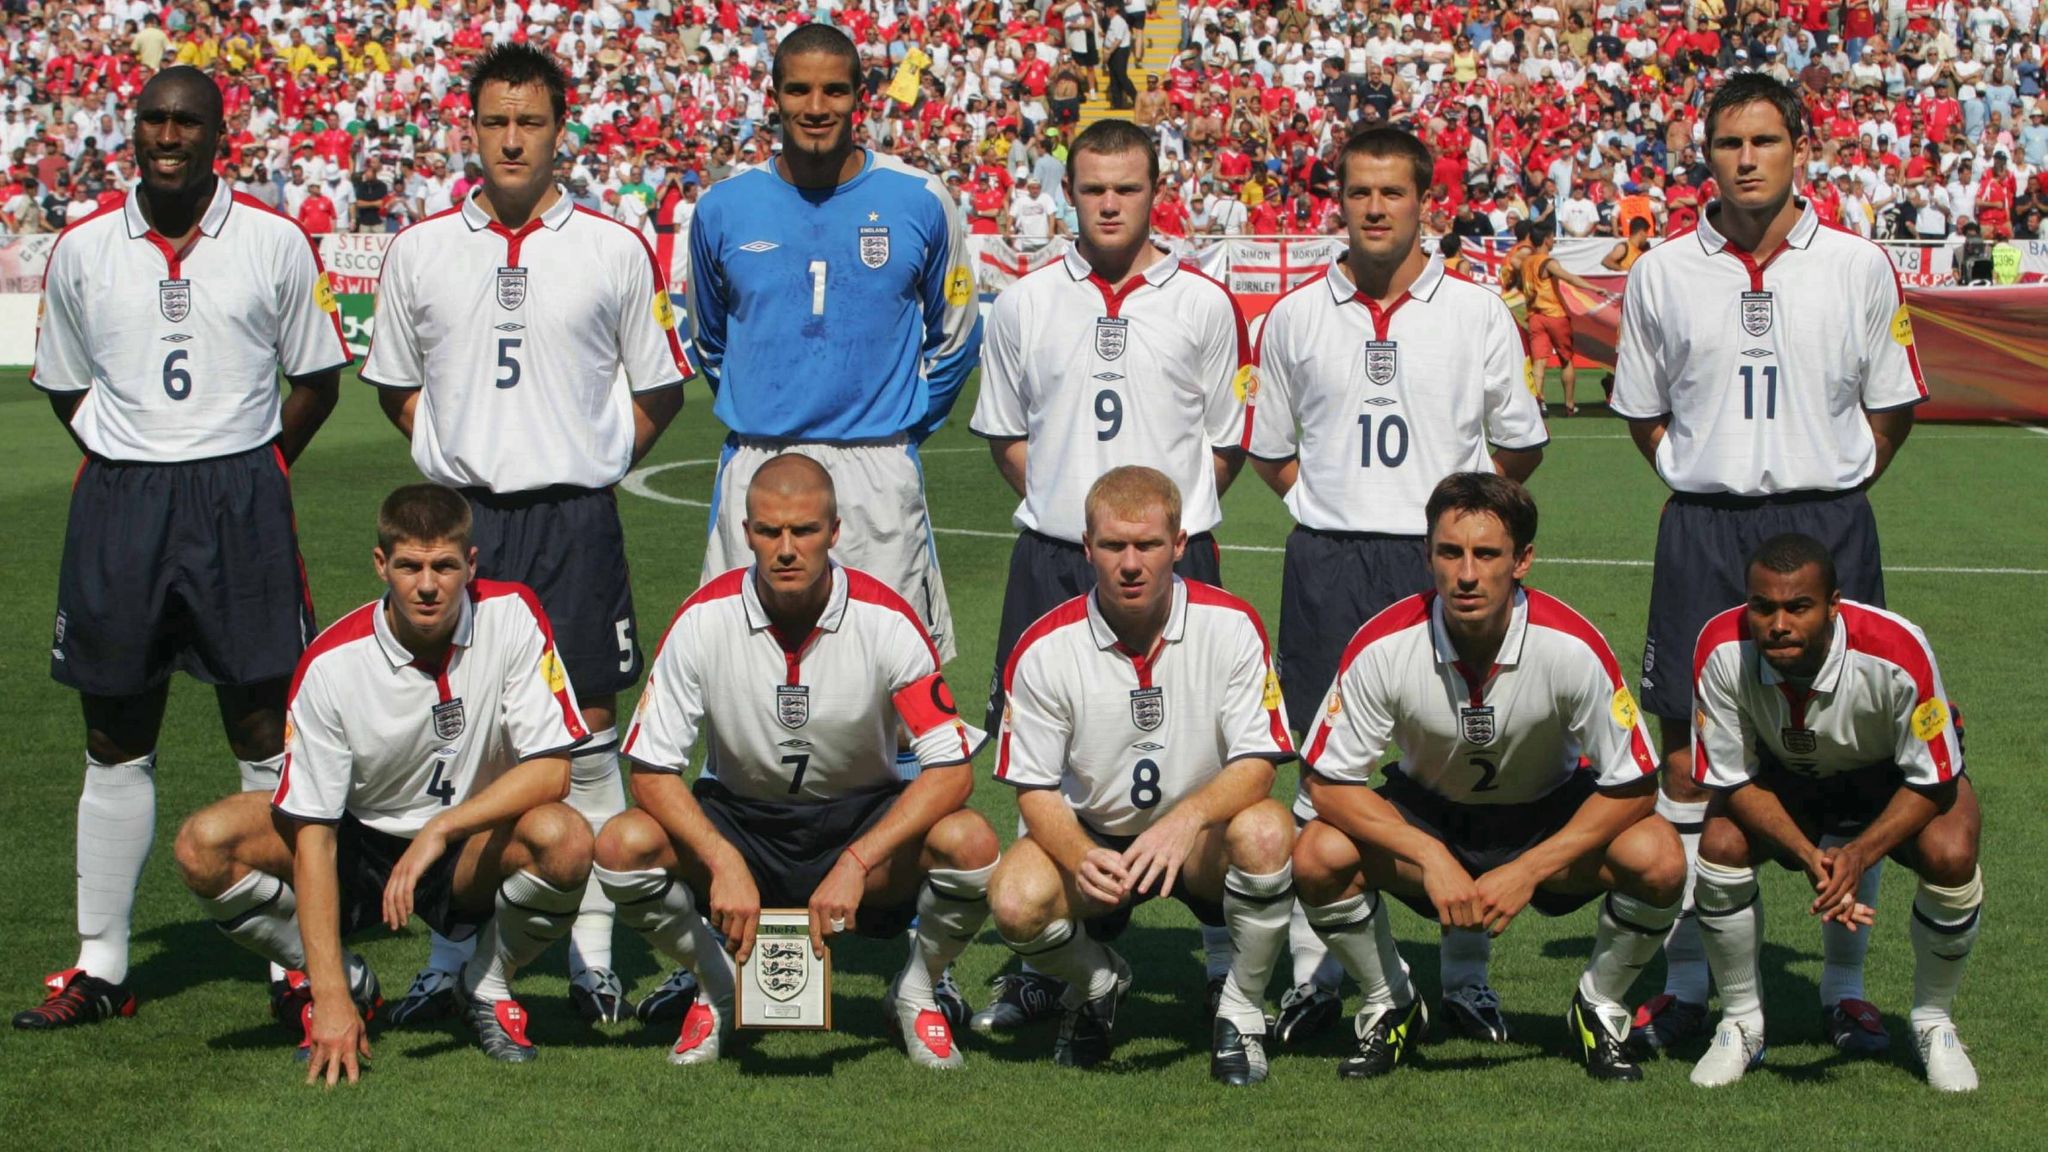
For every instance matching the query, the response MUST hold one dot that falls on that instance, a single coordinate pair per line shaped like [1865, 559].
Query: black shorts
[1331, 583]
[1046, 572]
[1111, 925]
[1703, 547]
[790, 848]
[1842, 804]
[566, 544]
[191, 566]
[363, 860]
[1485, 836]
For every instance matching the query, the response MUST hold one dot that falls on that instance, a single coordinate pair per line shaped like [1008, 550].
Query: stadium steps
[1162, 41]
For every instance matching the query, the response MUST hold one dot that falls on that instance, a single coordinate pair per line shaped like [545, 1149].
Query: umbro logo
[1756, 352]
[508, 326]
[1147, 746]
[177, 338]
[760, 246]
[1380, 400]
[794, 743]
[1108, 376]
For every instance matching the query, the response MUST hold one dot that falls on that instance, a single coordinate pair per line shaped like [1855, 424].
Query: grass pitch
[1965, 521]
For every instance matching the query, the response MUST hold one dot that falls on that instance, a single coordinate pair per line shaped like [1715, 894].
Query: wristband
[857, 860]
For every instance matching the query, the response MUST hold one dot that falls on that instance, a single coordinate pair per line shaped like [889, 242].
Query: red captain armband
[926, 705]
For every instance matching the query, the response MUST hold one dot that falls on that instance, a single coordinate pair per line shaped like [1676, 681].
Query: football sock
[260, 913]
[260, 775]
[907, 764]
[116, 822]
[1731, 928]
[531, 914]
[1685, 958]
[662, 910]
[1630, 931]
[1312, 963]
[1357, 932]
[1841, 973]
[1945, 925]
[449, 955]
[1462, 957]
[596, 792]
[1256, 910]
[1215, 951]
[1062, 950]
[950, 909]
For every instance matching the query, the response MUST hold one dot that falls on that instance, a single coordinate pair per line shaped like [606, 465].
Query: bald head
[793, 476]
[792, 524]
[185, 87]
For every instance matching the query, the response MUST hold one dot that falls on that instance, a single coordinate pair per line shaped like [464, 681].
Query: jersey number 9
[1109, 410]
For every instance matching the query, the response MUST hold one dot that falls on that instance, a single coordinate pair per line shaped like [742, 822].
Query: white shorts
[885, 529]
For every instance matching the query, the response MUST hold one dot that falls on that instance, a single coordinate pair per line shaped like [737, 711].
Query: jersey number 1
[1749, 374]
[817, 287]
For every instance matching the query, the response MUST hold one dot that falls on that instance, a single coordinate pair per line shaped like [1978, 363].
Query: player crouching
[1816, 716]
[798, 672]
[1142, 728]
[1525, 780]
[426, 756]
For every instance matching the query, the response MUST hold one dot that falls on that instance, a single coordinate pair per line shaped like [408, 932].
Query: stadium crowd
[348, 114]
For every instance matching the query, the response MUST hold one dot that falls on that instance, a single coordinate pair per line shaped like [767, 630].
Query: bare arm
[1763, 817]
[399, 404]
[1600, 819]
[1648, 434]
[1573, 278]
[1366, 817]
[338, 1036]
[1612, 261]
[541, 780]
[306, 407]
[1890, 430]
[1279, 475]
[1054, 827]
[65, 405]
[652, 414]
[935, 794]
[1009, 458]
[1517, 464]
[735, 899]
[1229, 462]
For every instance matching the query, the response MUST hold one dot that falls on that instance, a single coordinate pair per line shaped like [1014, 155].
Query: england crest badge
[1382, 361]
[874, 245]
[174, 299]
[448, 719]
[511, 288]
[1799, 741]
[1476, 725]
[1756, 313]
[1148, 708]
[792, 705]
[1111, 335]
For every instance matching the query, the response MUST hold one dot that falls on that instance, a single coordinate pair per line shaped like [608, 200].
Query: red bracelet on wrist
[857, 860]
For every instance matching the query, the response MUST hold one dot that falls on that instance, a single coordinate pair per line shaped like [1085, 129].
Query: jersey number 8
[1145, 784]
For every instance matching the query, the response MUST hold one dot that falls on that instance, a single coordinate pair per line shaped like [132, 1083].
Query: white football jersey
[376, 734]
[526, 346]
[797, 718]
[178, 353]
[1554, 703]
[1093, 378]
[1379, 404]
[1765, 370]
[1878, 699]
[1127, 735]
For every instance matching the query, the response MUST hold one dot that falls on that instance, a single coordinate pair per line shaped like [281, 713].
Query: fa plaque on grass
[783, 984]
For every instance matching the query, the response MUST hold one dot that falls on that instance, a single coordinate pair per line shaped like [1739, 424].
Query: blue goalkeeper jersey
[833, 315]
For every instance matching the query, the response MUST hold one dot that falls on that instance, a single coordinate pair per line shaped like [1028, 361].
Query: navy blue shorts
[1703, 547]
[790, 848]
[1485, 836]
[191, 566]
[363, 860]
[1330, 585]
[1111, 925]
[1046, 572]
[566, 544]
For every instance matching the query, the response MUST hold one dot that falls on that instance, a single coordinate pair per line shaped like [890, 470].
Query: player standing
[1160, 380]
[832, 303]
[1762, 420]
[799, 672]
[1142, 727]
[1493, 693]
[426, 761]
[1357, 421]
[1818, 715]
[166, 321]
[528, 349]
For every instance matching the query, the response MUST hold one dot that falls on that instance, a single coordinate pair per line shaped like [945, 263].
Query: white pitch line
[636, 483]
[2036, 429]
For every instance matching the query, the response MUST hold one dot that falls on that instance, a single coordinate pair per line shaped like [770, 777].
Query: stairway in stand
[1162, 41]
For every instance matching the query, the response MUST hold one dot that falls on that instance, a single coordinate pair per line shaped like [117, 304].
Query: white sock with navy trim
[116, 824]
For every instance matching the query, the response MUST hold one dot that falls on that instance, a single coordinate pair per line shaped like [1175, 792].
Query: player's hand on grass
[338, 1040]
[1159, 851]
[1457, 899]
[1103, 877]
[836, 900]
[1503, 893]
[419, 856]
[736, 908]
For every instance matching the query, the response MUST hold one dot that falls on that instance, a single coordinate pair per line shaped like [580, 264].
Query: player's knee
[1657, 860]
[1023, 896]
[632, 840]
[1324, 863]
[1261, 837]
[964, 840]
[1947, 861]
[1723, 842]
[204, 851]
[558, 838]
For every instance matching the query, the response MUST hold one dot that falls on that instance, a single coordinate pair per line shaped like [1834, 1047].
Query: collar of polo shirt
[1801, 235]
[1159, 273]
[557, 214]
[1830, 668]
[209, 225]
[1176, 620]
[1510, 645]
[828, 620]
[398, 653]
[1343, 291]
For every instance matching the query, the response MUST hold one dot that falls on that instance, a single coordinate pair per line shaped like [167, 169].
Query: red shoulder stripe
[1547, 611]
[675, 344]
[868, 590]
[1727, 628]
[482, 590]
[1211, 596]
[1074, 611]
[355, 626]
[1399, 616]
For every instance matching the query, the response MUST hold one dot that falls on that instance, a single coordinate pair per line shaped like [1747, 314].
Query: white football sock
[1357, 932]
[531, 914]
[116, 822]
[1256, 909]
[1462, 957]
[596, 792]
[1216, 949]
[1064, 951]
[1306, 954]
[260, 913]
[1842, 951]
[1630, 931]
[260, 775]
[950, 909]
[661, 909]
[1685, 958]
[1731, 917]
[1945, 926]
[450, 955]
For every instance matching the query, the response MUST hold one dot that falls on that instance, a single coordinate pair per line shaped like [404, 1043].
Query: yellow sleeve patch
[1929, 719]
[551, 670]
[323, 294]
[664, 311]
[1902, 327]
[1335, 705]
[1246, 383]
[1271, 700]
[1623, 708]
[960, 287]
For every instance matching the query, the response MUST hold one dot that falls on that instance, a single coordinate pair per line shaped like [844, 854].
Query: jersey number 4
[440, 787]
